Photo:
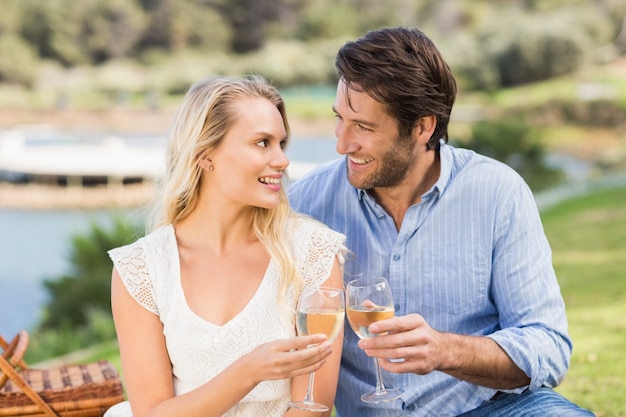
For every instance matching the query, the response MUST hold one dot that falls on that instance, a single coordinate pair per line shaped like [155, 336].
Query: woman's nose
[280, 160]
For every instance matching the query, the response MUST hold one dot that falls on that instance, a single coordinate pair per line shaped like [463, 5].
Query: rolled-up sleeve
[526, 292]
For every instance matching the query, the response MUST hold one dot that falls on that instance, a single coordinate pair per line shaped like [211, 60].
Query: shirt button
[397, 307]
[396, 257]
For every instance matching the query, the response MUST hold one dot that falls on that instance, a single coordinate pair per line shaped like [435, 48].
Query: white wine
[316, 321]
[361, 317]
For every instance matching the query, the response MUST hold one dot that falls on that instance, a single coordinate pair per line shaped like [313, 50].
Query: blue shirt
[471, 257]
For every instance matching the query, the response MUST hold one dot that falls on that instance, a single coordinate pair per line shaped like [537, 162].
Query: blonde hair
[208, 111]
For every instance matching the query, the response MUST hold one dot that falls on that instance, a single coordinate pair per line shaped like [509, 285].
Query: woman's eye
[262, 143]
[283, 144]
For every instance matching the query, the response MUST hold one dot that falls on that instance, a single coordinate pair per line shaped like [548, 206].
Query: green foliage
[310, 103]
[48, 343]
[112, 30]
[514, 143]
[87, 32]
[10, 18]
[519, 50]
[488, 45]
[18, 61]
[318, 21]
[599, 113]
[248, 20]
[87, 287]
[175, 25]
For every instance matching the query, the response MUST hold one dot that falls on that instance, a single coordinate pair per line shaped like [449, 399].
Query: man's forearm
[481, 361]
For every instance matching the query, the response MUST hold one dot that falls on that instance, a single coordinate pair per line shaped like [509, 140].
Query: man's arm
[476, 359]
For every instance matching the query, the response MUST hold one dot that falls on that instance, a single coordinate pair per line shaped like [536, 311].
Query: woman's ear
[424, 128]
[206, 163]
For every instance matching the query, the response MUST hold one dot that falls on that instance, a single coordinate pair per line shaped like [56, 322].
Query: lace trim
[319, 255]
[130, 262]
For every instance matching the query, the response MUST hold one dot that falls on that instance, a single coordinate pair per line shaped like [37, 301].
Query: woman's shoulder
[157, 237]
[141, 263]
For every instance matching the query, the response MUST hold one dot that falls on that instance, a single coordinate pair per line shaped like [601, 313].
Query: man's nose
[345, 141]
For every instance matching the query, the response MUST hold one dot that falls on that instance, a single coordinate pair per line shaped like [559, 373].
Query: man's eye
[367, 129]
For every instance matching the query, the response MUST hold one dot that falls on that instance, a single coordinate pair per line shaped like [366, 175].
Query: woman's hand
[287, 358]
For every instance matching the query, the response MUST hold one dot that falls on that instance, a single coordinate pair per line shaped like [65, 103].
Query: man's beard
[392, 166]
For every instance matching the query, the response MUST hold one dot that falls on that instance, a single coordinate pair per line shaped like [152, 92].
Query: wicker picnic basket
[74, 390]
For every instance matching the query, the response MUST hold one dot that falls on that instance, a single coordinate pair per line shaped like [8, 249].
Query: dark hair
[402, 69]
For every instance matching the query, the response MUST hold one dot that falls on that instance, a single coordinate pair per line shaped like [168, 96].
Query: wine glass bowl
[319, 310]
[369, 300]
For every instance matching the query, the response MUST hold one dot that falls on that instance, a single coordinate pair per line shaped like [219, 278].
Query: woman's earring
[206, 163]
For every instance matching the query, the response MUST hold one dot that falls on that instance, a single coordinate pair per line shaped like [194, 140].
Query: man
[480, 325]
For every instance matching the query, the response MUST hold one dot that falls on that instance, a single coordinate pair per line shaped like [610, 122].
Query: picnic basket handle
[14, 352]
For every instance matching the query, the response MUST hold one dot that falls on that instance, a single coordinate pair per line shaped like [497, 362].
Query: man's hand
[408, 344]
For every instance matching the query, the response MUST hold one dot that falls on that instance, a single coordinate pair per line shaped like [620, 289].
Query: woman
[204, 304]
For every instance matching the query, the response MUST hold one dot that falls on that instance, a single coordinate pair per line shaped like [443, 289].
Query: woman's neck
[220, 229]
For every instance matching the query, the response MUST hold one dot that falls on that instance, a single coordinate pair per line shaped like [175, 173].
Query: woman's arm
[326, 377]
[148, 373]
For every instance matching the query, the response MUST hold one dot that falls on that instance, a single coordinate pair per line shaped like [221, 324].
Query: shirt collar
[445, 169]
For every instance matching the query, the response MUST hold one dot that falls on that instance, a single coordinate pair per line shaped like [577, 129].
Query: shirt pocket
[453, 280]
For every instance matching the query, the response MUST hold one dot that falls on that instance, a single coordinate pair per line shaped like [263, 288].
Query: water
[35, 245]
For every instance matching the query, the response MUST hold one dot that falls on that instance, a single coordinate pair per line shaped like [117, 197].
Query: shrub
[87, 286]
[18, 61]
[525, 48]
[50, 343]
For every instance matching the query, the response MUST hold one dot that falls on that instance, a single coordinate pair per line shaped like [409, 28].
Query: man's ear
[424, 128]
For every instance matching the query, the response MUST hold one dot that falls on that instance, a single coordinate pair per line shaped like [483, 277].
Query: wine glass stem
[380, 386]
[308, 398]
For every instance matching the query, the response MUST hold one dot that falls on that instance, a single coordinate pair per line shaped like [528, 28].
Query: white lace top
[198, 349]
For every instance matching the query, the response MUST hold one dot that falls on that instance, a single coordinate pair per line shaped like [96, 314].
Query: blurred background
[88, 89]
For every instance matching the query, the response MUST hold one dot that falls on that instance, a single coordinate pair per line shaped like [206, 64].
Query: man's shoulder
[319, 189]
[331, 173]
[482, 178]
[466, 161]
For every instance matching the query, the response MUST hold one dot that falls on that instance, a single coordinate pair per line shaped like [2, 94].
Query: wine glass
[369, 300]
[319, 310]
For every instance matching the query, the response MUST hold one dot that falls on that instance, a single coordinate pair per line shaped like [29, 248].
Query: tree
[112, 30]
[87, 286]
[85, 32]
[248, 20]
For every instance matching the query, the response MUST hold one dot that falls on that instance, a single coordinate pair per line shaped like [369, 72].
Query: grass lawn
[588, 238]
